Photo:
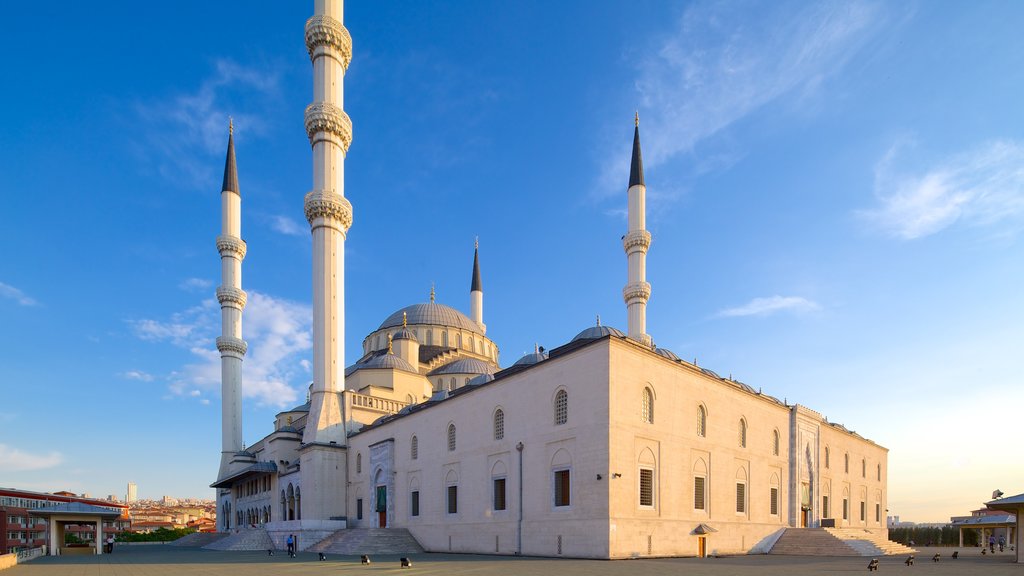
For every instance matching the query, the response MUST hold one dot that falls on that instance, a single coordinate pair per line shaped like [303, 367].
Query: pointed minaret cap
[636, 165]
[477, 285]
[230, 171]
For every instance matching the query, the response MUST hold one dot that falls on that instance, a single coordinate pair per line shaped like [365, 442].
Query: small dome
[531, 358]
[404, 334]
[433, 314]
[481, 379]
[387, 362]
[599, 331]
[667, 354]
[463, 366]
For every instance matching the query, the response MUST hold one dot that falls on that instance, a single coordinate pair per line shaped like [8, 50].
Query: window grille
[561, 407]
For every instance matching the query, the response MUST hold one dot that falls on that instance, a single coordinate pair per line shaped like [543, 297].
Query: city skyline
[835, 191]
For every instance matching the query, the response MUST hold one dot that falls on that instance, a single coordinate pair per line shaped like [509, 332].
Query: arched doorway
[380, 499]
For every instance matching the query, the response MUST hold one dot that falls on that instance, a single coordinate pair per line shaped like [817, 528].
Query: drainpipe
[519, 527]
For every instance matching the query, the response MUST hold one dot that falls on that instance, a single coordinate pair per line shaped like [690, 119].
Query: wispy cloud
[12, 293]
[17, 461]
[137, 375]
[980, 187]
[274, 369]
[186, 131]
[770, 305]
[195, 285]
[722, 61]
[286, 225]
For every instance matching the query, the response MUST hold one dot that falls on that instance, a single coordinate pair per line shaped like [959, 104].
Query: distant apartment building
[19, 530]
[132, 494]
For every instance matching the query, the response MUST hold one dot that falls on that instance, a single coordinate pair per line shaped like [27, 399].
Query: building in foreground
[603, 447]
[20, 531]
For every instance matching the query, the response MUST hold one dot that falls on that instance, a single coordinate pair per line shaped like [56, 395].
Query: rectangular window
[824, 507]
[359, 508]
[646, 487]
[863, 511]
[562, 488]
[414, 503]
[453, 499]
[698, 493]
[846, 509]
[775, 502]
[878, 512]
[499, 493]
[741, 497]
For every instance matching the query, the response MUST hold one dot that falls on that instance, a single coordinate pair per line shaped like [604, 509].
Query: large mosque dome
[431, 313]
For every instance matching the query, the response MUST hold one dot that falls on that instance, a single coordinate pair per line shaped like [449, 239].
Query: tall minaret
[476, 292]
[636, 242]
[330, 132]
[232, 300]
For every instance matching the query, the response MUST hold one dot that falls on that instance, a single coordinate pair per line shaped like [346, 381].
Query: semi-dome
[531, 358]
[667, 354]
[431, 313]
[383, 361]
[463, 366]
[599, 331]
[481, 379]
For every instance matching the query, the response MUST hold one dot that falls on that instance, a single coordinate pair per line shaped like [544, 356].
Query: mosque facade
[604, 447]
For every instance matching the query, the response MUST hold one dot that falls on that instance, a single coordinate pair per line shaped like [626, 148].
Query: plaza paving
[157, 560]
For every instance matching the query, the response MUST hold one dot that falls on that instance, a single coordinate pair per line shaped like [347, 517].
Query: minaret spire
[232, 301]
[636, 242]
[476, 291]
[322, 453]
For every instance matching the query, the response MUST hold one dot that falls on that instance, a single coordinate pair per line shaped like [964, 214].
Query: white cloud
[185, 132]
[723, 61]
[274, 369]
[8, 291]
[137, 375]
[286, 225]
[771, 305]
[195, 285]
[17, 461]
[980, 187]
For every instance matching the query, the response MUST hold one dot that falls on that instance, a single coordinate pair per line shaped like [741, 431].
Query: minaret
[636, 242]
[329, 214]
[476, 292]
[232, 300]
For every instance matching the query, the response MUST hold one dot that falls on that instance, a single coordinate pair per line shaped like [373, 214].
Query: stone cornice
[326, 32]
[327, 206]
[325, 121]
[231, 296]
[638, 291]
[231, 346]
[231, 246]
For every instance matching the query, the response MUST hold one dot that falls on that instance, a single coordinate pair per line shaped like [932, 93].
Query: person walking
[291, 545]
[992, 544]
[110, 544]
[1002, 543]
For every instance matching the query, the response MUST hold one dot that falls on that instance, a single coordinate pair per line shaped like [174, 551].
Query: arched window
[561, 407]
[702, 422]
[647, 406]
[499, 424]
[451, 437]
[743, 433]
[430, 337]
[458, 340]
[444, 338]
[451, 384]
[826, 456]
[359, 462]
[775, 442]
[414, 448]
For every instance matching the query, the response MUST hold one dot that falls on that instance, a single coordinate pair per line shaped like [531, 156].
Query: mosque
[606, 446]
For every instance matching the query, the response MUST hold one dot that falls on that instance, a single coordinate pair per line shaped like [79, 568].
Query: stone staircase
[356, 541]
[836, 542]
[199, 539]
[246, 539]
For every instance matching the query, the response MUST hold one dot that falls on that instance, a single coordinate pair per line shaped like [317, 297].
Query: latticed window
[774, 502]
[647, 406]
[775, 442]
[562, 488]
[741, 497]
[561, 407]
[646, 487]
[698, 493]
[702, 421]
[499, 424]
[451, 437]
[414, 448]
[743, 433]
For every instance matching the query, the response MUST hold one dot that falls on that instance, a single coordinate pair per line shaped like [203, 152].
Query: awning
[702, 529]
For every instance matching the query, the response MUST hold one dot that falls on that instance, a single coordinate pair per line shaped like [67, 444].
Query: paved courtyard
[157, 560]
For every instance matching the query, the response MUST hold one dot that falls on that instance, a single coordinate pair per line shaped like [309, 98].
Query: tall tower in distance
[322, 454]
[636, 242]
[132, 494]
[232, 300]
[476, 292]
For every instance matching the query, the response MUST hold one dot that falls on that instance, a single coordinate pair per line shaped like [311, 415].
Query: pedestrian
[291, 545]
[992, 544]
[110, 544]
[1002, 542]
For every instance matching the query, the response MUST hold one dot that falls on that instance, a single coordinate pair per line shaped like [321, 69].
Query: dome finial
[598, 319]
[389, 344]
[636, 119]
[476, 243]
[405, 319]
[231, 126]
[431, 292]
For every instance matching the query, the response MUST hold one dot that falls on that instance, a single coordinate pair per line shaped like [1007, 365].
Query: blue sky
[835, 190]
